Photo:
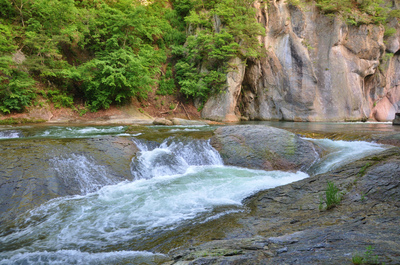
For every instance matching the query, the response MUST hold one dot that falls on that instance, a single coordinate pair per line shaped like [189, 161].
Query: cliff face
[315, 68]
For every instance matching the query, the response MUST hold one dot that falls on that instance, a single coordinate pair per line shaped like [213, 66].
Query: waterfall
[80, 132]
[80, 171]
[9, 134]
[172, 157]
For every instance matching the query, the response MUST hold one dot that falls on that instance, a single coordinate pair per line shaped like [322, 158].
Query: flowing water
[177, 182]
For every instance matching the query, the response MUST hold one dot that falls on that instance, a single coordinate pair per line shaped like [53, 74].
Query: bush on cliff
[220, 30]
[16, 87]
[356, 12]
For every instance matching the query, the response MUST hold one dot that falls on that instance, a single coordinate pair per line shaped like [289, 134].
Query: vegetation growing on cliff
[103, 52]
[354, 12]
[220, 31]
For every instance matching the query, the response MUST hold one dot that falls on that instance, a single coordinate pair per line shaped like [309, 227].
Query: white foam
[77, 257]
[342, 152]
[80, 171]
[131, 211]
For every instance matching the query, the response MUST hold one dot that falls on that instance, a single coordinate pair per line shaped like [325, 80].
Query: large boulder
[263, 147]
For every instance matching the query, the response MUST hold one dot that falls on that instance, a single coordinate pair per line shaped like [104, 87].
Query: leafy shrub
[332, 196]
[16, 87]
[389, 31]
[6, 9]
[60, 99]
[166, 83]
[363, 12]
[6, 42]
[367, 257]
[115, 77]
[203, 61]
[126, 58]
[395, 13]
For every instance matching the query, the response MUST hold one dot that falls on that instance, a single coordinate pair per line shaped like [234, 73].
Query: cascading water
[80, 171]
[62, 132]
[172, 157]
[9, 134]
[340, 153]
[78, 132]
[178, 183]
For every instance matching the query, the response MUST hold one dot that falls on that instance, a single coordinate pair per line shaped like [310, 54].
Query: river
[178, 181]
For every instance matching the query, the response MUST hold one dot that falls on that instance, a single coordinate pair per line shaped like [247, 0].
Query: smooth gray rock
[222, 106]
[263, 147]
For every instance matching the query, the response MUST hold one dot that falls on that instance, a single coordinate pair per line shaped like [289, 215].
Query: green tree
[115, 77]
[124, 40]
[16, 87]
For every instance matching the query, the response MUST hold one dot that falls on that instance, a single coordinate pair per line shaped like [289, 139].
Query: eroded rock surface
[285, 226]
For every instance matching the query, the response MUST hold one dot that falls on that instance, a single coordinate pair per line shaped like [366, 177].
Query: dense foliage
[103, 52]
[221, 30]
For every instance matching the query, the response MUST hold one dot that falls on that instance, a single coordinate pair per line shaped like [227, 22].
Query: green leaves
[166, 83]
[202, 68]
[131, 27]
[107, 51]
[6, 39]
[104, 51]
[332, 197]
[16, 87]
[221, 30]
[115, 77]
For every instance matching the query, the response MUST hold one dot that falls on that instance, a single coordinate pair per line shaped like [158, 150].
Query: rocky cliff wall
[315, 68]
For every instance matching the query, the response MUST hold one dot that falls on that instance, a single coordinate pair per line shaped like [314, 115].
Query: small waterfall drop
[77, 170]
[80, 132]
[9, 134]
[172, 157]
